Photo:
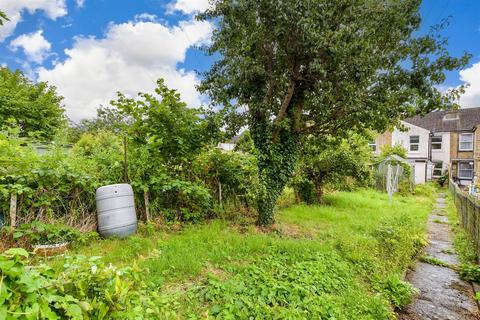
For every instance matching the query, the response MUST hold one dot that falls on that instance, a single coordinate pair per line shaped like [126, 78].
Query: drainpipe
[429, 155]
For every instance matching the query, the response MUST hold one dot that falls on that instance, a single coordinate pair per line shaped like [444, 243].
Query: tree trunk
[125, 161]
[319, 192]
[220, 194]
[276, 166]
[146, 198]
[13, 211]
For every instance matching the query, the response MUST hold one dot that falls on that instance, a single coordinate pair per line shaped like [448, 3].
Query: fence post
[13, 211]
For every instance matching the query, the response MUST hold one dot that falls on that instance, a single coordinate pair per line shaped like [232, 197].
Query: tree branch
[283, 109]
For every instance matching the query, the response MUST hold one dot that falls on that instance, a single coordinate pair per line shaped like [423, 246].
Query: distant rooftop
[448, 120]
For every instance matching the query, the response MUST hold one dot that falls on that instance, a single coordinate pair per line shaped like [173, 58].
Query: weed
[448, 251]
[434, 261]
[470, 272]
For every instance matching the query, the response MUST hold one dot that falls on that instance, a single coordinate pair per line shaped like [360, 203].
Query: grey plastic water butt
[116, 211]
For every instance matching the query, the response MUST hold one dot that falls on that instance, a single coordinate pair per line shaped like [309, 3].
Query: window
[465, 170]
[451, 116]
[373, 145]
[438, 169]
[465, 142]
[414, 143]
[437, 143]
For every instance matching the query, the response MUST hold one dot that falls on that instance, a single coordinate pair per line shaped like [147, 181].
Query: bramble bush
[175, 174]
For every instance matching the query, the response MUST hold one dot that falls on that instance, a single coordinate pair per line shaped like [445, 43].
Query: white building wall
[443, 155]
[403, 138]
[226, 146]
[418, 159]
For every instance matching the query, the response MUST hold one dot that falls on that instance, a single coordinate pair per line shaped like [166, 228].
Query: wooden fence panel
[468, 208]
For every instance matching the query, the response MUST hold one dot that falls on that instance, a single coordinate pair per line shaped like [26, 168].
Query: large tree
[290, 68]
[35, 107]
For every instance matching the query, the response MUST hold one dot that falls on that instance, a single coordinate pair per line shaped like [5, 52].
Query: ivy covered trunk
[276, 162]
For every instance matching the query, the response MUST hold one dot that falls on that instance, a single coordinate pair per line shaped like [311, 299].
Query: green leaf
[16, 252]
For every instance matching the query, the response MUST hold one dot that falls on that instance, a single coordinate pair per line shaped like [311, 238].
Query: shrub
[185, 201]
[231, 177]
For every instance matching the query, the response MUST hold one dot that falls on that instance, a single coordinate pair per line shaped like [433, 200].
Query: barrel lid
[114, 188]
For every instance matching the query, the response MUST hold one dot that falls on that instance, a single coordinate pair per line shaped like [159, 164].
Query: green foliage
[344, 260]
[245, 143]
[397, 149]
[185, 201]
[48, 185]
[282, 284]
[3, 18]
[434, 261]
[400, 151]
[288, 70]
[99, 156]
[332, 161]
[444, 178]
[34, 107]
[164, 137]
[173, 133]
[38, 233]
[465, 247]
[425, 189]
[230, 176]
[82, 289]
[400, 293]
[470, 272]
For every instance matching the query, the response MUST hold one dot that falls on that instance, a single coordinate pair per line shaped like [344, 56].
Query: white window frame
[435, 168]
[373, 145]
[450, 116]
[460, 141]
[470, 163]
[414, 143]
[437, 143]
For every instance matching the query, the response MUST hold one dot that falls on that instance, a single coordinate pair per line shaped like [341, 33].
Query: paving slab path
[442, 294]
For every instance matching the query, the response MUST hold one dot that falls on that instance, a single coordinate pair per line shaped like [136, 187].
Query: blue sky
[90, 49]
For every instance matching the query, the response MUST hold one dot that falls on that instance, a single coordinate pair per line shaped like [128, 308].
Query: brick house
[451, 141]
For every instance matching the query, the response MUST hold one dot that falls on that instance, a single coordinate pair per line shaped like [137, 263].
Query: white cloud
[14, 9]
[145, 17]
[189, 6]
[129, 58]
[80, 3]
[34, 45]
[471, 76]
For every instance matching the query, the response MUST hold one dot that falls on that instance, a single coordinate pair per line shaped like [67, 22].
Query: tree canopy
[293, 68]
[35, 107]
[3, 18]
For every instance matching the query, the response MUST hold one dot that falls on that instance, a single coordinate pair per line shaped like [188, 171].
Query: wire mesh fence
[468, 208]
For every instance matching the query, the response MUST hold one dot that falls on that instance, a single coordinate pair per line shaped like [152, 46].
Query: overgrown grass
[469, 269]
[343, 260]
[462, 242]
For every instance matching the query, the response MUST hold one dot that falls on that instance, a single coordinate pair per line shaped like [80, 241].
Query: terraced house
[438, 142]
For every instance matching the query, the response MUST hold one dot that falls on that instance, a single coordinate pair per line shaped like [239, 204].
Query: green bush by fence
[468, 208]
